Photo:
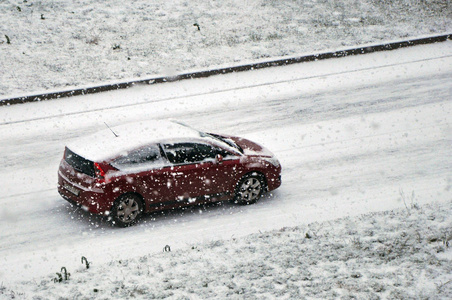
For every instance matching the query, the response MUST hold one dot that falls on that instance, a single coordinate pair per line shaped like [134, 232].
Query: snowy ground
[351, 134]
[58, 44]
[401, 254]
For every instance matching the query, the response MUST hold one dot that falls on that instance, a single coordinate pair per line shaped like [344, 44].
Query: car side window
[183, 153]
[147, 156]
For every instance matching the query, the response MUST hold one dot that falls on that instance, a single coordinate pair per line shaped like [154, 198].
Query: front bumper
[274, 179]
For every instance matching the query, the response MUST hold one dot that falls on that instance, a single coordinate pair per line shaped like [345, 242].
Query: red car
[142, 167]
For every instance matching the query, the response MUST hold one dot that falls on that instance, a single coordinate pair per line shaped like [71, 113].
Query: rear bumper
[94, 200]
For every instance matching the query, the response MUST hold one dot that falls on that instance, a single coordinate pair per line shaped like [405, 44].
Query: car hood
[251, 148]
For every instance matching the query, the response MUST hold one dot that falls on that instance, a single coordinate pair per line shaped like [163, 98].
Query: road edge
[240, 68]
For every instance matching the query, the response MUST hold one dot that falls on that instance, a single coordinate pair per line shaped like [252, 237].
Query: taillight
[100, 174]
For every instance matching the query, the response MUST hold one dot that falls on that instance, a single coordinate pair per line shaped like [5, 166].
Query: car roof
[118, 140]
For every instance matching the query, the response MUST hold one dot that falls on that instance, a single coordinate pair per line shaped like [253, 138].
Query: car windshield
[217, 137]
[224, 140]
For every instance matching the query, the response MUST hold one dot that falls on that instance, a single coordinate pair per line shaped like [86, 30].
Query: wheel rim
[251, 189]
[128, 210]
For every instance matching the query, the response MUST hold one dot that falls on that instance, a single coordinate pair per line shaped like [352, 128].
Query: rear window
[79, 163]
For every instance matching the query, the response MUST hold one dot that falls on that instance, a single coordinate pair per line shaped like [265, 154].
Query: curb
[241, 68]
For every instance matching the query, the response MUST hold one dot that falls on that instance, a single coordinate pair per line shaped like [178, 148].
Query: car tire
[249, 189]
[126, 210]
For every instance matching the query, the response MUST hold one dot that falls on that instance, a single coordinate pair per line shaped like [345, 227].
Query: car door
[144, 171]
[198, 176]
[219, 172]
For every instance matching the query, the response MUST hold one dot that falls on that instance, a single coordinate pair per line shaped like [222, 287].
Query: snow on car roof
[104, 144]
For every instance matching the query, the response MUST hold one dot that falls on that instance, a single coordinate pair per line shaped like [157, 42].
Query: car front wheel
[249, 189]
[126, 210]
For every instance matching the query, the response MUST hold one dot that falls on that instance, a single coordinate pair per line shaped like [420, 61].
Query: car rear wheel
[126, 210]
[249, 189]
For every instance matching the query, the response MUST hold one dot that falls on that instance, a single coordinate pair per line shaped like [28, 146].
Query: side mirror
[219, 159]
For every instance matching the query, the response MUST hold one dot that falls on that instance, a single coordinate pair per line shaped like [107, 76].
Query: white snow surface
[400, 254]
[47, 45]
[354, 135]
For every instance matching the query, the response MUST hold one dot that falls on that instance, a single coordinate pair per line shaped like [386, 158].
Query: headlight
[273, 160]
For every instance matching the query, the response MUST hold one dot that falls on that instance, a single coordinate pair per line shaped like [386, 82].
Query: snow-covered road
[351, 134]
